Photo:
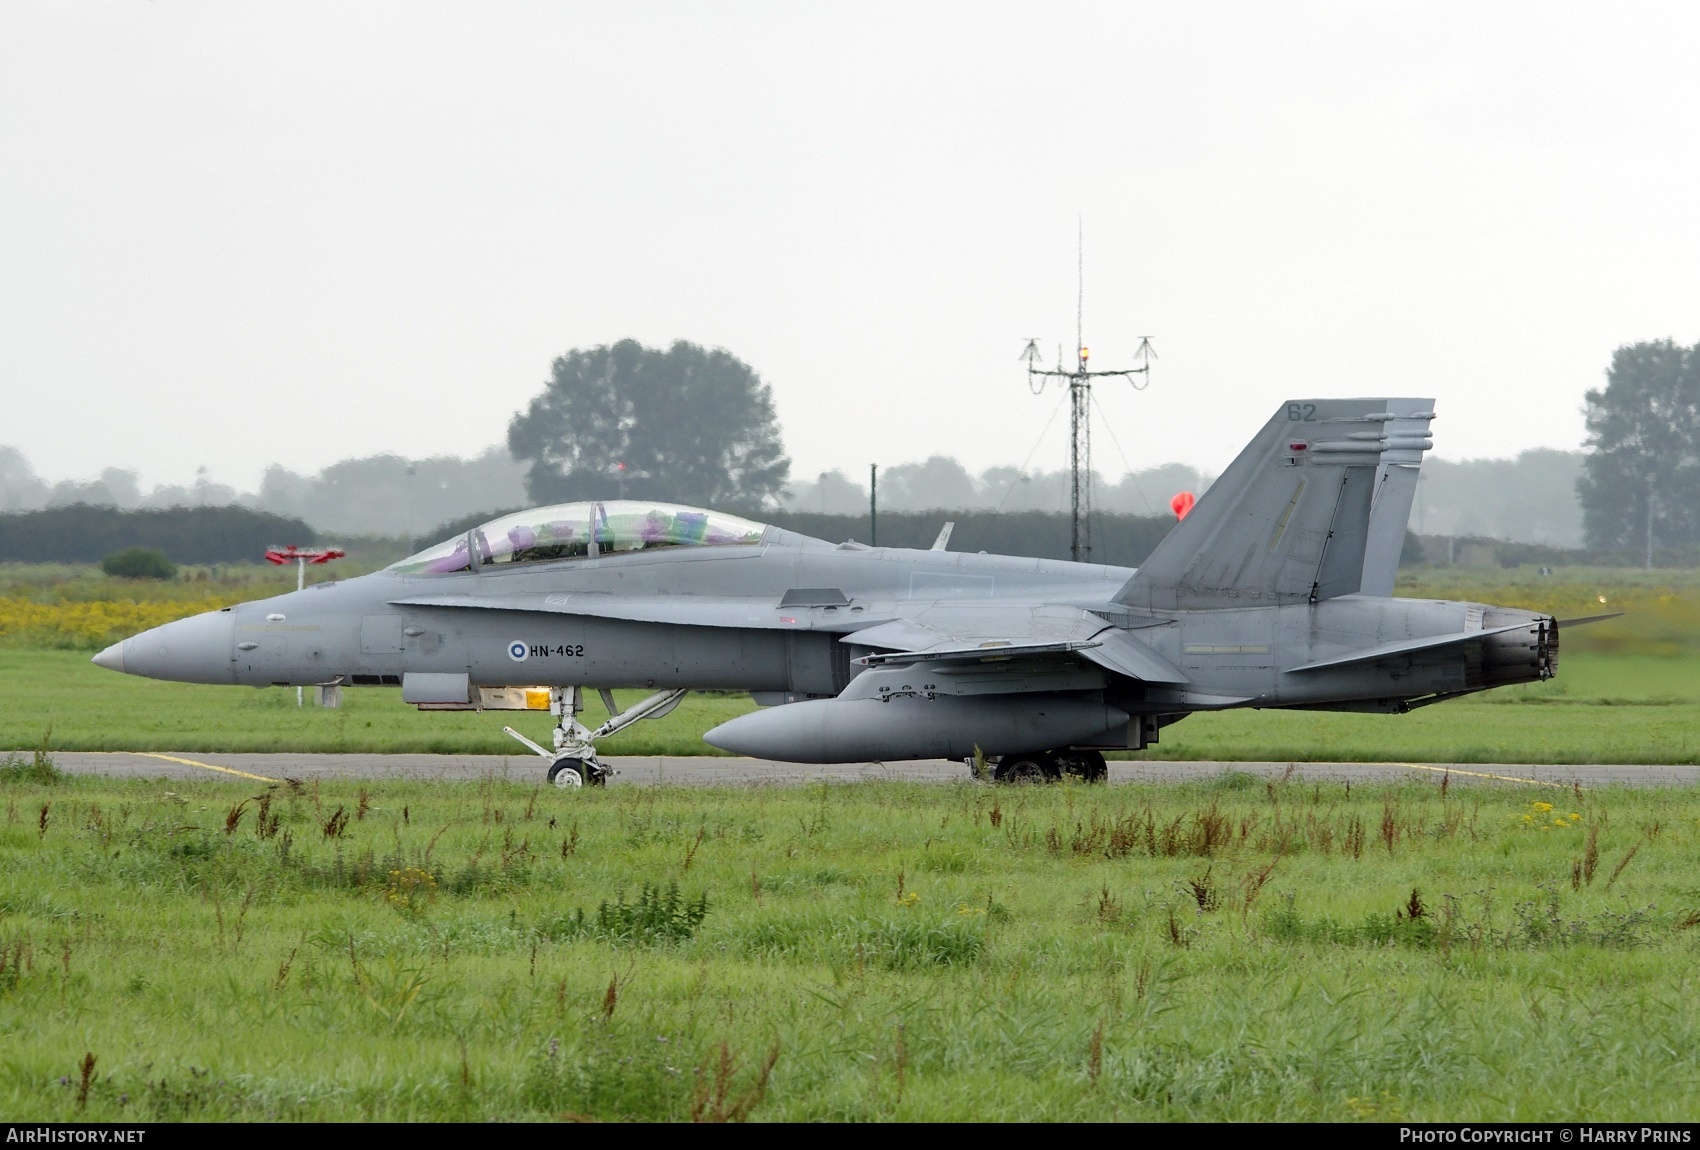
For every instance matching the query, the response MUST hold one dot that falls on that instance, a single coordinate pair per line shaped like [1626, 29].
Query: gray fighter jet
[1273, 592]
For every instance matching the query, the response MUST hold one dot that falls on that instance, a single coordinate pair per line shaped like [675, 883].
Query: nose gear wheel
[567, 773]
[573, 762]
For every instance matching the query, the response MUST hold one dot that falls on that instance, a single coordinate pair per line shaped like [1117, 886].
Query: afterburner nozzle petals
[112, 658]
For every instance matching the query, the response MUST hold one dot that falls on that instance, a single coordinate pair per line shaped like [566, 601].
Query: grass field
[1604, 708]
[1232, 950]
[1628, 690]
[1228, 950]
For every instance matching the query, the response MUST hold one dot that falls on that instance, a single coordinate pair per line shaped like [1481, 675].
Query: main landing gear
[573, 762]
[1050, 767]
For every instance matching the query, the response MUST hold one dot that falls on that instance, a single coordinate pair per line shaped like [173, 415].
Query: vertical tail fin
[1290, 519]
[1395, 491]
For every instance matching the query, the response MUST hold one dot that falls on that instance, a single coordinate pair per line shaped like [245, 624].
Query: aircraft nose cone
[193, 650]
[112, 658]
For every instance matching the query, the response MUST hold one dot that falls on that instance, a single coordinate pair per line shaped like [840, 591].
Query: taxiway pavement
[704, 770]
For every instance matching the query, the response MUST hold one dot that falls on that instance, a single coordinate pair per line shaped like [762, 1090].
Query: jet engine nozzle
[1528, 654]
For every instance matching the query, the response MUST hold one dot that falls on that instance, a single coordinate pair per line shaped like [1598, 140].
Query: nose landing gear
[568, 773]
[573, 762]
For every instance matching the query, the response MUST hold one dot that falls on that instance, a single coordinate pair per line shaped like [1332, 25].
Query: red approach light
[1182, 503]
[293, 554]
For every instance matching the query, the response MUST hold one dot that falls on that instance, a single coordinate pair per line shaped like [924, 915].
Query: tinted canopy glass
[558, 532]
[449, 555]
[584, 530]
[635, 525]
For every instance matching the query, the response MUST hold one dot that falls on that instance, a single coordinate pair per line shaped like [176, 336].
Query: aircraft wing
[993, 652]
[987, 636]
[1120, 651]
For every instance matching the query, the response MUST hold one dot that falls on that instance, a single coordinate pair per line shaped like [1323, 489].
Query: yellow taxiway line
[207, 766]
[1482, 775]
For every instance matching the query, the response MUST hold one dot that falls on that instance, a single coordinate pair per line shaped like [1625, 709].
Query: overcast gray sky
[238, 233]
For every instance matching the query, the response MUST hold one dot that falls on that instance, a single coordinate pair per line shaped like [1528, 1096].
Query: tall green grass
[1238, 949]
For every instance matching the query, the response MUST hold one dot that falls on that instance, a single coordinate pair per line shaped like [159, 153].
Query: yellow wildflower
[410, 889]
[91, 624]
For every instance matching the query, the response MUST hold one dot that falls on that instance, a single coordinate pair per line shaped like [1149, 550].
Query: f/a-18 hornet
[1275, 591]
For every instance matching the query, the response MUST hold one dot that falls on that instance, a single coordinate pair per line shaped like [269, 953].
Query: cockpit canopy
[582, 531]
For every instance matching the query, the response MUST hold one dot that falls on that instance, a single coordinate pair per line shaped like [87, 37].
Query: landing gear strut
[573, 762]
[1051, 766]
[1088, 766]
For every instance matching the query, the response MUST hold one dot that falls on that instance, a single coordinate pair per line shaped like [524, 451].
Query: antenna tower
[1079, 380]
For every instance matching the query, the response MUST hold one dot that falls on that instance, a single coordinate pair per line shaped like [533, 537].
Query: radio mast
[1079, 382]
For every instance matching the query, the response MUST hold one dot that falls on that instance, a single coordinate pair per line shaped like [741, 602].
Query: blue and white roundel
[518, 651]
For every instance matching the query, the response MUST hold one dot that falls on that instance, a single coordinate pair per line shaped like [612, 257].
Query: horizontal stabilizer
[1590, 619]
[1405, 647]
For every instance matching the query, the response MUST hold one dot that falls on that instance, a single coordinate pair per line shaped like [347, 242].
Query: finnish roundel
[517, 651]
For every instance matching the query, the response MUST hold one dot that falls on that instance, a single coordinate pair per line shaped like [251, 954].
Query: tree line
[694, 425]
[1640, 485]
[82, 533]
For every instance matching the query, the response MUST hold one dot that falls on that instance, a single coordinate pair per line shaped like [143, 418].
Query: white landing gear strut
[573, 762]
